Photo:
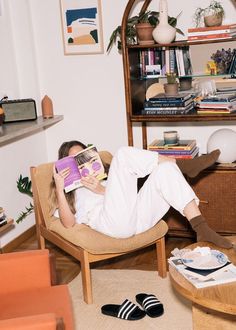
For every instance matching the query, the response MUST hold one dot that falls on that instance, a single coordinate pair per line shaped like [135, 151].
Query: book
[168, 103]
[164, 97]
[212, 36]
[182, 145]
[164, 111]
[210, 32]
[225, 275]
[84, 163]
[172, 107]
[210, 28]
[220, 97]
[179, 154]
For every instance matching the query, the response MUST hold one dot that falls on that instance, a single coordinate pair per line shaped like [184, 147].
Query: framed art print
[82, 26]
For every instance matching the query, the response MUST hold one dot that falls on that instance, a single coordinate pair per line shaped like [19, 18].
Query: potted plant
[172, 86]
[211, 16]
[150, 18]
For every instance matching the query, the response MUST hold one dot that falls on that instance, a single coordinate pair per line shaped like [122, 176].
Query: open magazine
[86, 162]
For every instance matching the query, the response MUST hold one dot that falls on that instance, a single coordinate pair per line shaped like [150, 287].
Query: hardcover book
[210, 28]
[86, 162]
[178, 97]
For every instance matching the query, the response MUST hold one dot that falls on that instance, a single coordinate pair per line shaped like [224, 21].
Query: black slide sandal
[126, 311]
[151, 305]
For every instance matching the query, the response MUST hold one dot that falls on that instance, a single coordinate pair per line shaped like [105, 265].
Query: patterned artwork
[82, 26]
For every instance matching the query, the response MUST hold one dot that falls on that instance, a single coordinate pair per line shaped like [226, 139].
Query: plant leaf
[24, 185]
[24, 214]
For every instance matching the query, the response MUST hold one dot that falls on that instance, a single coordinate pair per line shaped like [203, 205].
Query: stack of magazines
[162, 104]
[183, 149]
[222, 103]
[204, 267]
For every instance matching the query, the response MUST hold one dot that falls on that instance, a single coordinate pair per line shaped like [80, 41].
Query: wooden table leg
[207, 319]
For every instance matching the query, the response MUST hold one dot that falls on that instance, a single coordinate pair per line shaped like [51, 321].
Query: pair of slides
[129, 311]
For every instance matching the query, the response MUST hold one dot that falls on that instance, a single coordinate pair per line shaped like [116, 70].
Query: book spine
[203, 33]
[165, 111]
[210, 36]
[147, 108]
[169, 99]
[155, 104]
[221, 27]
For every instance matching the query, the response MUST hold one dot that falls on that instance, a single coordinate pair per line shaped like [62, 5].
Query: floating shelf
[13, 131]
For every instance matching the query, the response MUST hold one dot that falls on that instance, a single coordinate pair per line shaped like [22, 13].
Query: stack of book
[162, 104]
[186, 149]
[206, 277]
[221, 103]
[212, 33]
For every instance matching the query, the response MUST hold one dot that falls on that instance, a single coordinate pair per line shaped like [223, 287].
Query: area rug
[113, 286]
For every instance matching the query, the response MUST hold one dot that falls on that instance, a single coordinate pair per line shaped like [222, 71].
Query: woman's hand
[59, 178]
[93, 184]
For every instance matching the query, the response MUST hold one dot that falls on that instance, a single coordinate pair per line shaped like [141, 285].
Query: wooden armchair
[82, 242]
[28, 299]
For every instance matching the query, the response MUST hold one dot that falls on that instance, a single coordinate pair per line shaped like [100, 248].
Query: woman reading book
[115, 207]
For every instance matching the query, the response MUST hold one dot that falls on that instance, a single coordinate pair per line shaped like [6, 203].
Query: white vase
[163, 33]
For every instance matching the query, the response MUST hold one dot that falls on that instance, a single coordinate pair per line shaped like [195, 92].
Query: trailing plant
[151, 17]
[215, 8]
[24, 186]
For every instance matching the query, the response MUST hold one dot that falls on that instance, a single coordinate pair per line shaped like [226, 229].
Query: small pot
[185, 83]
[171, 89]
[144, 33]
[213, 20]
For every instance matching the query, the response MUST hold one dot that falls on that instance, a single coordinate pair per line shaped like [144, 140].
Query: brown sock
[206, 234]
[192, 167]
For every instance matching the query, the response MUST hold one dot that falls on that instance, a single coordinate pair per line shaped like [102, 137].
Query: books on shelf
[167, 103]
[218, 103]
[182, 145]
[173, 98]
[86, 162]
[172, 110]
[212, 33]
[220, 97]
[179, 153]
[199, 279]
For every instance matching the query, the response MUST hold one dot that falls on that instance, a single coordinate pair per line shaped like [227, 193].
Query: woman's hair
[70, 196]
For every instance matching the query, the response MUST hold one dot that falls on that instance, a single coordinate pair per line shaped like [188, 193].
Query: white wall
[87, 89]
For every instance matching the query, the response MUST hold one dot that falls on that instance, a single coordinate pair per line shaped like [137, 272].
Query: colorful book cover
[86, 162]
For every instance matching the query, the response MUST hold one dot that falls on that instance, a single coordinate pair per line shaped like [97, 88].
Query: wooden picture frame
[82, 27]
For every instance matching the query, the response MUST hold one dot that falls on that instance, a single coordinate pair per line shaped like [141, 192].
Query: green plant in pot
[150, 18]
[211, 16]
[172, 86]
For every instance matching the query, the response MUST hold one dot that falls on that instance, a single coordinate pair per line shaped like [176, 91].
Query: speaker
[19, 110]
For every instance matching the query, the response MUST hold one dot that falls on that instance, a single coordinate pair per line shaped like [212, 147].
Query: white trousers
[125, 211]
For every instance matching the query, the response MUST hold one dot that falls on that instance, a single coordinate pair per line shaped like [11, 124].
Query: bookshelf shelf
[136, 84]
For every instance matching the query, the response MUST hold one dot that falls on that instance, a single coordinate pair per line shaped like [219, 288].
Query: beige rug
[114, 286]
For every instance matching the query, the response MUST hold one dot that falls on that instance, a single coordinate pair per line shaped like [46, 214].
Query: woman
[115, 207]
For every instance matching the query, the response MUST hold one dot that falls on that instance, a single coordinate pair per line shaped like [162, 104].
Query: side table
[212, 307]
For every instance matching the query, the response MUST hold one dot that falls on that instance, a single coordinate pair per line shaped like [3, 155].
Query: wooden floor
[68, 268]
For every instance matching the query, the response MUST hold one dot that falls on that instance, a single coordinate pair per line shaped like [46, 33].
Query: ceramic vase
[47, 107]
[163, 33]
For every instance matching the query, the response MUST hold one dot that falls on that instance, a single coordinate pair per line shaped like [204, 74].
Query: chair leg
[40, 239]
[86, 278]
[161, 257]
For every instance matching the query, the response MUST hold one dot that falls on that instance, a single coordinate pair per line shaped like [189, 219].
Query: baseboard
[18, 240]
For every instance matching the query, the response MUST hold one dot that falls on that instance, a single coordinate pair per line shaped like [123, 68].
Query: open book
[86, 162]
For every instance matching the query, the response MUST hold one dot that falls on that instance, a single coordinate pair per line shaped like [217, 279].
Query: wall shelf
[14, 131]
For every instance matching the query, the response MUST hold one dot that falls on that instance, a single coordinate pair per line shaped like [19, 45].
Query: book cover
[210, 28]
[168, 103]
[86, 162]
[182, 145]
[164, 112]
